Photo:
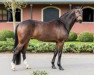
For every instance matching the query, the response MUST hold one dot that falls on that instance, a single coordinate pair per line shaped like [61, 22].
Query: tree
[14, 4]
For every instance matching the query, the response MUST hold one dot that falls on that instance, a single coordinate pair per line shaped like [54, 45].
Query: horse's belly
[44, 37]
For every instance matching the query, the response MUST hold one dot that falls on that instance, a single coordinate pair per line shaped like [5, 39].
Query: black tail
[18, 56]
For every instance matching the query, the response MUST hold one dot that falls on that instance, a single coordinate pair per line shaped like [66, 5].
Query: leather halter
[78, 15]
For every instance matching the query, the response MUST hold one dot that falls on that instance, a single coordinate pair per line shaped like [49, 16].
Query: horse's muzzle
[80, 21]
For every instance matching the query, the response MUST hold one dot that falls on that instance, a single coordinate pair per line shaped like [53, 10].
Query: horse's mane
[65, 14]
[64, 19]
[68, 13]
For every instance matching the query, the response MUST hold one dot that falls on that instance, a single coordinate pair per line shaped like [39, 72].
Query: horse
[56, 31]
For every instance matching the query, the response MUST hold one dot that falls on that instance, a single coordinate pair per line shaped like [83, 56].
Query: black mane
[67, 20]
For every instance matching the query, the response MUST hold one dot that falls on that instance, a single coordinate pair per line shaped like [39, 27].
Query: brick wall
[37, 15]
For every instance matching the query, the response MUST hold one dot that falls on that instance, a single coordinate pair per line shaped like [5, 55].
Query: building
[45, 10]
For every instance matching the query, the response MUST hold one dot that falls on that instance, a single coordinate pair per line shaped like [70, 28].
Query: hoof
[60, 68]
[13, 69]
[53, 67]
[27, 67]
[12, 66]
[26, 64]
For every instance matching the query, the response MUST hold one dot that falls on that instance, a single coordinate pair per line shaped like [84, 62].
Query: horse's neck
[69, 22]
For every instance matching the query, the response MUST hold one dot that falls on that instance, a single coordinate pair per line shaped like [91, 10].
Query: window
[17, 15]
[7, 15]
[88, 15]
[3, 15]
[50, 14]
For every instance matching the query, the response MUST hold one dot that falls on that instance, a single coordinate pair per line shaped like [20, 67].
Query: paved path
[74, 64]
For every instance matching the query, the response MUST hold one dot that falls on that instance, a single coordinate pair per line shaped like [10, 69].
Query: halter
[78, 15]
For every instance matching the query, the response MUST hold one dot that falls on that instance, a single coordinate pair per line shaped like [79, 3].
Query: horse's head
[78, 14]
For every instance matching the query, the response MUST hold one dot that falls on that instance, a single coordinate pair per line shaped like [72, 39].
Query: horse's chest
[62, 34]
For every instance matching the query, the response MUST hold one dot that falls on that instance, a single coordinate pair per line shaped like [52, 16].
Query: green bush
[72, 36]
[38, 46]
[70, 48]
[6, 34]
[6, 45]
[40, 73]
[85, 37]
[78, 47]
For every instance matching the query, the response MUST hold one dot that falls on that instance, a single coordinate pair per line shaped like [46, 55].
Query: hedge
[85, 37]
[72, 36]
[6, 45]
[4, 34]
[36, 46]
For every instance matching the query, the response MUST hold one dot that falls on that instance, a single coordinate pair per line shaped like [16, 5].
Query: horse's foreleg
[60, 46]
[59, 60]
[53, 60]
[54, 57]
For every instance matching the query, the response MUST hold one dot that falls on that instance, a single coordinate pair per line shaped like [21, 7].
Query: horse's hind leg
[24, 56]
[16, 51]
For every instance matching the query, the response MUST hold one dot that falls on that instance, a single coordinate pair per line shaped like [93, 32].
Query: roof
[57, 1]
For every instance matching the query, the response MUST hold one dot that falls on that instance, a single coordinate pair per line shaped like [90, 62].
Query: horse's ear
[77, 7]
[81, 7]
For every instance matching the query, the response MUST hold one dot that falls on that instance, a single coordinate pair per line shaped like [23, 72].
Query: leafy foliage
[39, 73]
[38, 46]
[6, 45]
[6, 34]
[85, 37]
[72, 36]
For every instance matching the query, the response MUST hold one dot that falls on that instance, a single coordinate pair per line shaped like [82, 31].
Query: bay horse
[53, 31]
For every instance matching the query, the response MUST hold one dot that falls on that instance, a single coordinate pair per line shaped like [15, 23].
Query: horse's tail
[18, 56]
